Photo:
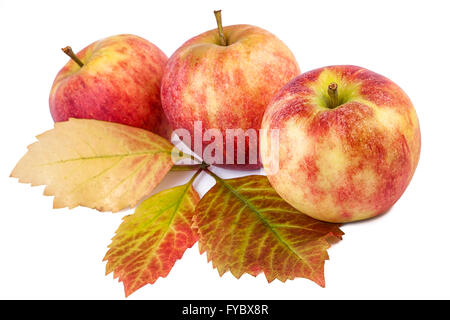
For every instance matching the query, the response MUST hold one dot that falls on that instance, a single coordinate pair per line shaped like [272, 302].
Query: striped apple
[349, 143]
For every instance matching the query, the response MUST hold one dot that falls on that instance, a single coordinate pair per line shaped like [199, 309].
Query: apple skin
[120, 82]
[226, 87]
[349, 163]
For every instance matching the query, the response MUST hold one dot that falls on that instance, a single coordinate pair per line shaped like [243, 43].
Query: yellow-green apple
[223, 79]
[349, 143]
[116, 79]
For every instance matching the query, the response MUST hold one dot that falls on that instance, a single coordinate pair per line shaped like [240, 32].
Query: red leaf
[246, 227]
[150, 241]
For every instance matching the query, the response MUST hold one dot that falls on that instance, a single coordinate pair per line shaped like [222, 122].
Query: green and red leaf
[246, 227]
[96, 164]
[150, 241]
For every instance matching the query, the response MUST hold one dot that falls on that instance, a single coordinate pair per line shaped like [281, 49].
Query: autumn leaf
[96, 164]
[148, 242]
[246, 227]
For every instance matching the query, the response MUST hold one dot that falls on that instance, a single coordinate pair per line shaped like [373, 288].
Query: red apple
[349, 143]
[224, 79]
[116, 79]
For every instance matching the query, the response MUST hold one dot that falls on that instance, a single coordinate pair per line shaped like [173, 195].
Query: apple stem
[218, 14]
[68, 50]
[333, 94]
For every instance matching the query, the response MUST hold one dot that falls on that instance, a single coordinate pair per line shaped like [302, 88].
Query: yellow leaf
[96, 164]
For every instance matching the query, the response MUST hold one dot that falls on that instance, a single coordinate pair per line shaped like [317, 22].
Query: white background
[46, 253]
